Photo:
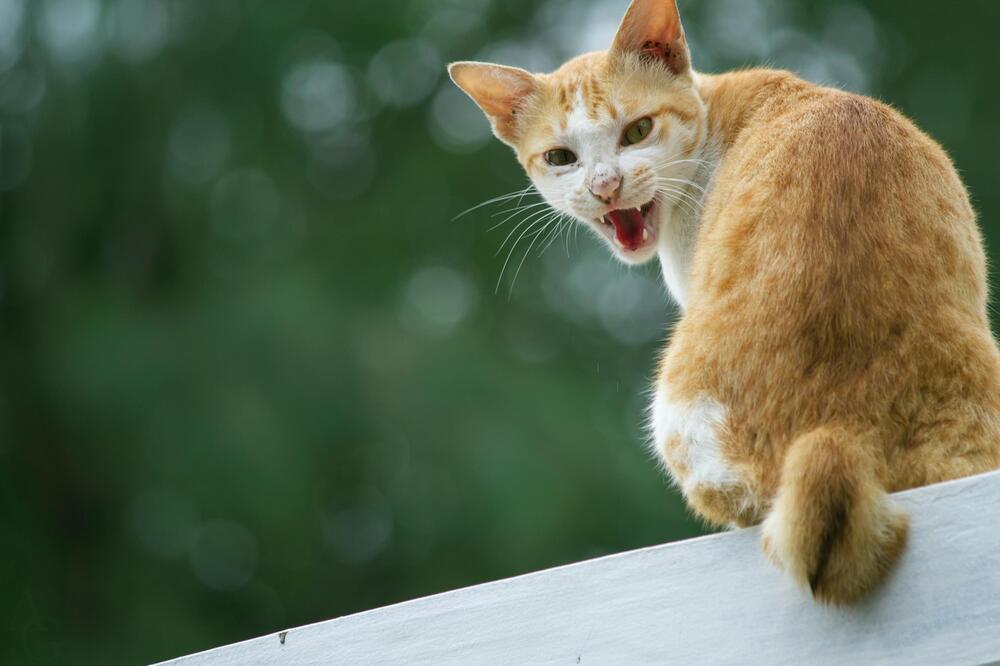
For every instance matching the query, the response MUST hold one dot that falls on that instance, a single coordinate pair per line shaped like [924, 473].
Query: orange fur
[835, 345]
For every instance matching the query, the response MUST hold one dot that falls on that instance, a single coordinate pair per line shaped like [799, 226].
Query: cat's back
[839, 274]
[804, 141]
[820, 182]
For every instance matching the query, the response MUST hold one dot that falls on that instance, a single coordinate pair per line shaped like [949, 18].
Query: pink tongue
[628, 227]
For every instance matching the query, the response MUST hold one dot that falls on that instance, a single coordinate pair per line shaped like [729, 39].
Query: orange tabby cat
[835, 344]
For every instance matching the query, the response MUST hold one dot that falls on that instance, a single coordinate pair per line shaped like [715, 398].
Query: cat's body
[835, 343]
[836, 337]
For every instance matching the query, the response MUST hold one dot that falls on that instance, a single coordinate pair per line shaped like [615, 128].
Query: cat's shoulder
[799, 127]
[781, 100]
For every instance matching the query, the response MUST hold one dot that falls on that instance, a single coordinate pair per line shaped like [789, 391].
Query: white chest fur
[681, 222]
[677, 241]
[686, 436]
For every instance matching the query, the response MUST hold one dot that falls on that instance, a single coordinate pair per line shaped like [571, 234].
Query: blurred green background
[251, 373]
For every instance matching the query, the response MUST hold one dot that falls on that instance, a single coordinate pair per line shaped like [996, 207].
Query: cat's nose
[605, 183]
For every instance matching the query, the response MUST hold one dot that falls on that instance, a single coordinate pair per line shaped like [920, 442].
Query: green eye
[560, 157]
[637, 131]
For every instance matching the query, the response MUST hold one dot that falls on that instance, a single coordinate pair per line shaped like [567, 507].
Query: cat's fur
[835, 344]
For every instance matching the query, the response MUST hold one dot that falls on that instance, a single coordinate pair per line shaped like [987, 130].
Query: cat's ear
[653, 29]
[499, 91]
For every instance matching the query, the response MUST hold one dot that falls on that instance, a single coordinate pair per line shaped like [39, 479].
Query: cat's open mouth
[632, 228]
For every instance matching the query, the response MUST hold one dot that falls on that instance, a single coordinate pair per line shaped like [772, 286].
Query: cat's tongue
[629, 227]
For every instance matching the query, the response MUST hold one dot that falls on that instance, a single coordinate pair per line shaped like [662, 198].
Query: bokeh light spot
[223, 555]
[437, 300]
[359, 533]
[317, 95]
[71, 29]
[245, 205]
[23, 87]
[199, 145]
[404, 73]
[164, 522]
[139, 28]
[11, 37]
[451, 20]
[455, 122]
[15, 155]
[342, 163]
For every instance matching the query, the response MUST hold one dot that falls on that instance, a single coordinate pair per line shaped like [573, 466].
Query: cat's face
[609, 138]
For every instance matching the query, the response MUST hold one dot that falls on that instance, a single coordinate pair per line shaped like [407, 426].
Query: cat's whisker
[511, 216]
[512, 232]
[666, 184]
[549, 237]
[692, 205]
[503, 269]
[530, 221]
[513, 247]
[494, 200]
[690, 209]
[503, 222]
[664, 166]
[537, 215]
[555, 234]
[677, 198]
[544, 216]
[518, 209]
[682, 181]
[664, 197]
[556, 237]
[526, 253]
[668, 201]
[530, 189]
[683, 193]
[686, 160]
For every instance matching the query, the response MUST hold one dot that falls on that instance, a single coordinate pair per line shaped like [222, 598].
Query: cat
[834, 344]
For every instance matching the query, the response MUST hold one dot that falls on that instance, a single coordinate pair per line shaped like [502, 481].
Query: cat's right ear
[499, 91]
[653, 29]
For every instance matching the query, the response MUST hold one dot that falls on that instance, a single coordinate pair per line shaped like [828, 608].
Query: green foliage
[253, 375]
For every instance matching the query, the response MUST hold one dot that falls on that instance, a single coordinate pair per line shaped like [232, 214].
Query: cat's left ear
[500, 92]
[653, 28]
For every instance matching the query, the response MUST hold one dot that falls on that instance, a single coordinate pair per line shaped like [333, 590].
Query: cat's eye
[560, 157]
[637, 131]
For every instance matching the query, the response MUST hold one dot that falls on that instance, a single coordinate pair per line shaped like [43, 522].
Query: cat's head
[610, 137]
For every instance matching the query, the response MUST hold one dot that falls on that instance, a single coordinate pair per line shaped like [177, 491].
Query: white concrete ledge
[713, 600]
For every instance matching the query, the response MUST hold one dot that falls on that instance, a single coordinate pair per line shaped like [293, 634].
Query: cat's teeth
[645, 234]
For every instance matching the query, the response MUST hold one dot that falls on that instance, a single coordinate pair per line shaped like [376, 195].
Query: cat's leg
[833, 527]
[692, 439]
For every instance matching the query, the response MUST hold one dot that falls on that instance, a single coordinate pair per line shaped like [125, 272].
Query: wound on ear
[656, 50]
[673, 55]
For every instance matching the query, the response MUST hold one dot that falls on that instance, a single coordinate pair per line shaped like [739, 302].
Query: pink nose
[605, 183]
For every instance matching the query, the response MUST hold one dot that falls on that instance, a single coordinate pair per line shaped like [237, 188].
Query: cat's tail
[833, 527]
